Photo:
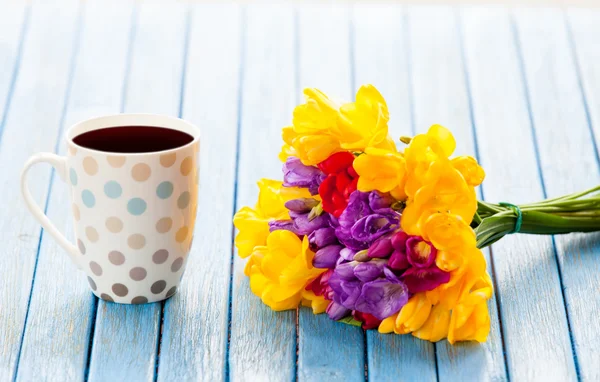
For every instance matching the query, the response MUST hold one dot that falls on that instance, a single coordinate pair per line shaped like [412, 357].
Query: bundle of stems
[578, 212]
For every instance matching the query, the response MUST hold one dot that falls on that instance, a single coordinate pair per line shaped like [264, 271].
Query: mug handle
[60, 164]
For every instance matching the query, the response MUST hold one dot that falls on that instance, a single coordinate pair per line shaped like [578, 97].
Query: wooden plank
[568, 159]
[62, 309]
[385, 64]
[195, 319]
[324, 58]
[534, 322]
[126, 337]
[441, 96]
[263, 342]
[13, 26]
[32, 125]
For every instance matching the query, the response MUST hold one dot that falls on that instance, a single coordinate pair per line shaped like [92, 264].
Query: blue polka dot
[164, 190]
[73, 177]
[113, 189]
[88, 198]
[136, 206]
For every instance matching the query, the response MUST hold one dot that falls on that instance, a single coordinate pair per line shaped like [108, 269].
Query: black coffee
[133, 139]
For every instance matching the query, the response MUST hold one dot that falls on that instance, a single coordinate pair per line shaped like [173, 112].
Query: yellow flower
[364, 123]
[253, 223]
[410, 318]
[436, 326]
[313, 136]
[281, 270]
[444, 189]
[379, 169]
[318, 304]
[470, 170]
[470, 319]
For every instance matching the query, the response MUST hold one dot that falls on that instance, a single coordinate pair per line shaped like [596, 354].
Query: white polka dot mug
[134, 213]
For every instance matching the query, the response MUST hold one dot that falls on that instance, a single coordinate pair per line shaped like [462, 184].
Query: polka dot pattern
[158, 286]
[141, 172]
[160, 256]
[91, 234]
[90, 166]
[96, 268]
[167, 160]
[139, 300]
[177, 264]
[92, 283]
[81, 246]
[136, 241]
[136, 206]
[186, 166]
[137, 273]
[76, 213]
[114, 224]
[120, 290]
[164, 190]
[106, 297]
[164, 225]
[113, 189]
[73, 177]
[183, 200]
[89, 200]
[116, 161]
[116, 258]
[181, 234]
[171, 292]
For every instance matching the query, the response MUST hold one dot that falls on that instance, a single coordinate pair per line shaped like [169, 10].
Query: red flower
[368, 320]
[340, 182]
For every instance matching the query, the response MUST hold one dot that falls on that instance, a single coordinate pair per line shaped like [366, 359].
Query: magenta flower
[424, 279]
[420, 253]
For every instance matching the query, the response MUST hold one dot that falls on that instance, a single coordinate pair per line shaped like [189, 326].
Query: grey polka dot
[171, 292]
[116, 257]
[177, 264]
[120, 290]
[158, 286]
[92, 283]
[160, 256]
[139, 300]
[96, 268]
[81, 246]
[137, 273]
[106, 297]
[183, 200]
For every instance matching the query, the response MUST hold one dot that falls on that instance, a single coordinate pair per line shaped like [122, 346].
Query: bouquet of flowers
[381, 237]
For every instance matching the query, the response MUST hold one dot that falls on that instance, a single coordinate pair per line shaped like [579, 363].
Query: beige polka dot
[181, 234]
[72, 150]
[120, 290]
[177, 264]
[114, 224]
[137, 273]
[116, 257]
[76, 213]
[116, 161]
[164, 225]
[90, 165]
[96, 268]
[167, 160]
[136, 241]
[186, 166]
[91, 234]
[140, 172]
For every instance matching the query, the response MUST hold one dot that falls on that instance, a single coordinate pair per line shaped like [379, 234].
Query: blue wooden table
[520, 88]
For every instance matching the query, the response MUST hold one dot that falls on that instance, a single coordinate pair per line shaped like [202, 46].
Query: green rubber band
[519, 214]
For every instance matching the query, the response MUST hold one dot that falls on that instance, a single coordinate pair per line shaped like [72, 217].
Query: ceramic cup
[134, 214]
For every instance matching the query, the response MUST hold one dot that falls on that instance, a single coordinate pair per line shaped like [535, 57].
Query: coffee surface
[133, 139]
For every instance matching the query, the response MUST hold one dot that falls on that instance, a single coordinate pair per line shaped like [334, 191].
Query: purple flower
[322, 237]
[296, 174]
[301, 205]
[303, 225]
[369, 287]
[327, 257]
[287, 225]
[360, 225]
